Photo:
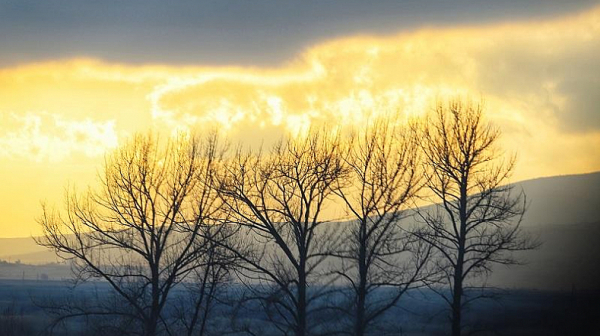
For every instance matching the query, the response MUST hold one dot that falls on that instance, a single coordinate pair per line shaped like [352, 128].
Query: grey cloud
[523, 68]
[228, 31]
[583, 110]
[581, 85]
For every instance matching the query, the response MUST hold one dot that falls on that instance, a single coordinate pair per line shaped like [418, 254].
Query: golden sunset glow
[58, 118]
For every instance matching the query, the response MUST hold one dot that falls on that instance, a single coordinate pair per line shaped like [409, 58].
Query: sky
[78, 78]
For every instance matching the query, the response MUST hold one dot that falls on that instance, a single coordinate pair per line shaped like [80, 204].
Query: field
[514, 312]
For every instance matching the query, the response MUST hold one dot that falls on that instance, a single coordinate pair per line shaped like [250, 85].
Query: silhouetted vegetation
[147, 229]
[189, 238]
[477, 219]
[376, 250]
[13, 321]
[279, 198]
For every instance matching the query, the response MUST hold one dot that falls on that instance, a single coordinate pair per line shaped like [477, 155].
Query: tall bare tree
[278, 199]
[142, 230]
[477, 220]
[377, 251]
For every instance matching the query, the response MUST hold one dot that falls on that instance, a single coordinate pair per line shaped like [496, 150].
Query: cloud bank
[538, 80]
[257, 32]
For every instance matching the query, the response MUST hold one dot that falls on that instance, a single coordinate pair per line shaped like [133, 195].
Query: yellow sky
[57, 118]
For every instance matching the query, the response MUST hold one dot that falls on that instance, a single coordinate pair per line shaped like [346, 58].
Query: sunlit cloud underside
[538, 80]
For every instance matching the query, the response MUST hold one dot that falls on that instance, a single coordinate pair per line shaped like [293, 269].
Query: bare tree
[141, 231]
[383, 183]
[477, 220]
[278, 199]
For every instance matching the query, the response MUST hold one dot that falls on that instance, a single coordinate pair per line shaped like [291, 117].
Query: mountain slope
[24, 250]
[562, 200]
[563, 211]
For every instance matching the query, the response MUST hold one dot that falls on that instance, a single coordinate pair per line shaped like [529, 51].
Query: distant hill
[51, 271]
[562, 200]
[563, 211]
[26, 251]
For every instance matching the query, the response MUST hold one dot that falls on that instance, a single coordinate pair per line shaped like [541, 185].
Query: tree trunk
[457, 300]
[458, 269]
[301, 328]
[359, 326]
[151, 325]
[152, 322]
[359, 323]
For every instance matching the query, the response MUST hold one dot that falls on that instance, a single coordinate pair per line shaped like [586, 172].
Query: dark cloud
[561, 73]
[245, 32]
[581, 86]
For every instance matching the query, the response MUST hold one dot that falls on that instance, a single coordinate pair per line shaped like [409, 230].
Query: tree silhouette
[377, 251]
[142, 231]
[477, 220]
[277, 199]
